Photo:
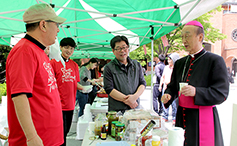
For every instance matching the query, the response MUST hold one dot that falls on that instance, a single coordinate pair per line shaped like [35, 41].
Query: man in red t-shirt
[67, 78]
[34, 108]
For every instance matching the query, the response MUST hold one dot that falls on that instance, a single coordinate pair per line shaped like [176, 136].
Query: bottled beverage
[148, 127]
[103, 135]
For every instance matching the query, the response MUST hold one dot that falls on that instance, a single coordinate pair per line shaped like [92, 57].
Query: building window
[207, 46]
[234, 35]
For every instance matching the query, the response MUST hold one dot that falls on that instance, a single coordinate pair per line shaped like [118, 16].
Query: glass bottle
[113, 127]
[100, 120]
[112, 116]
[103, 135]
[119, 131]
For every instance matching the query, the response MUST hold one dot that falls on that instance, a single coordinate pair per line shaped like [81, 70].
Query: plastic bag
[83, 122]
[87, 89]
[55, 53]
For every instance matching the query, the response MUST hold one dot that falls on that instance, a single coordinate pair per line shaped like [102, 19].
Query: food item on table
[112, 116]
[113, 128]
[119, 131]
[102, 91]
[155, 140]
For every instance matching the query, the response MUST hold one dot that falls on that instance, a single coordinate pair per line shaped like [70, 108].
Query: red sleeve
[77, 73]
[22, 70]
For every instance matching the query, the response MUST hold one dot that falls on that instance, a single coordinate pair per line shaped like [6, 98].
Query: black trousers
[67, 121]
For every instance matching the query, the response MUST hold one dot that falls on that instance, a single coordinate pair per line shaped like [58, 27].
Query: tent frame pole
[12, 11]
[152, 55]
[11, 19]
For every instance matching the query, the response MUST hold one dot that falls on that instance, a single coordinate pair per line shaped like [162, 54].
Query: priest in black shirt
[208, 86]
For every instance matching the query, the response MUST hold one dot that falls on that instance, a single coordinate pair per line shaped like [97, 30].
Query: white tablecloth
[87, 142]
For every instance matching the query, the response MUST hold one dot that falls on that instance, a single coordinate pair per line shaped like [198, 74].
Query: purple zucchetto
[195, 23]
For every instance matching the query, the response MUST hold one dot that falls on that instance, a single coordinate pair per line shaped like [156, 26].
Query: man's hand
[165, 98]
[79, 87]
[93, 82]
[160, 89]
[131, 101]
[188, 90]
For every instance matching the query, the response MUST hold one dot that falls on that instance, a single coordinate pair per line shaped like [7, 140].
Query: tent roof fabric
[93, 23]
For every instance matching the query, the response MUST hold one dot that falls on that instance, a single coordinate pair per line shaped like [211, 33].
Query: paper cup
[181, 85]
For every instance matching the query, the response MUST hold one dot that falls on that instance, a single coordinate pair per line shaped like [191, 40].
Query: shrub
[3, 91]
[148, 80]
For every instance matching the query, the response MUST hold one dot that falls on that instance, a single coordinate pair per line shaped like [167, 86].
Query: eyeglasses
[53, 22]
[186, 36]
[119, 49]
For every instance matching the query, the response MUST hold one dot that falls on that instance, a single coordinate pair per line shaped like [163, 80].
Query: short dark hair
[118, 38]
[68, 41]
[32, 26]
[199, 31]
[92, 60]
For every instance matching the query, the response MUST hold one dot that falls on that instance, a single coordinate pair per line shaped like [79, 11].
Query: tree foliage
[4, 51]
[175, 41]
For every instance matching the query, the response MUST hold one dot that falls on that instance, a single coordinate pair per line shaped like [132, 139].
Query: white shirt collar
[196, 52]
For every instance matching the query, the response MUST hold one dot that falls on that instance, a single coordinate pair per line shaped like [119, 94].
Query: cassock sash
[206, 120]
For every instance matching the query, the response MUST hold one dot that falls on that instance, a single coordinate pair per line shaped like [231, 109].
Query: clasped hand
[131, 101]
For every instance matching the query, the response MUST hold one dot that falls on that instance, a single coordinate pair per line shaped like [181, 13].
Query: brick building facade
[225, 21]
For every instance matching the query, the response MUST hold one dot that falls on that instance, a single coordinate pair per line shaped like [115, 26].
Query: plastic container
[165, 142]
[102, 95]
[155, 140]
